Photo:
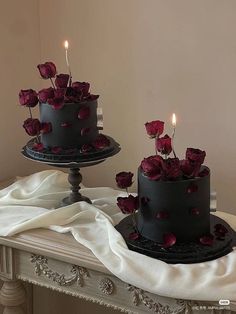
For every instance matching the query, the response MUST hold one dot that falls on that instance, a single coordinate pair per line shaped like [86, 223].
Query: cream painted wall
[19, 55]
[148, 58]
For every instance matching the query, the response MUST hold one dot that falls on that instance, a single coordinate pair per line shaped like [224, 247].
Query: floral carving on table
[41, 268]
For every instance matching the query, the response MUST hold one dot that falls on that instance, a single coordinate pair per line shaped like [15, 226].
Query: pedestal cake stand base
[74, 162]
[184, 253]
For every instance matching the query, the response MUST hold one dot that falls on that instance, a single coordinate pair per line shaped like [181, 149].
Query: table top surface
[59, 246]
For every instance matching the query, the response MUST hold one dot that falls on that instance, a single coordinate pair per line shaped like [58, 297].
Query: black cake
[69, 129]
[170, 217]
[180, 207]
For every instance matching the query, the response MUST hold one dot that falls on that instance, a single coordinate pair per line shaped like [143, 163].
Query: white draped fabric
[30, 203]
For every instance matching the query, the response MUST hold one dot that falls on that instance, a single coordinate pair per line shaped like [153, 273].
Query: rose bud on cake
[171, 169]
[32, 126]
[82, 88]
[124, 179]
[62, 80]
[152, 167]
[45, 94]
[154, 128]
[46, 127]
[195, 155]
[57, 102]
[28, 98]
[128, 205]
[47, 70]
[163, 145]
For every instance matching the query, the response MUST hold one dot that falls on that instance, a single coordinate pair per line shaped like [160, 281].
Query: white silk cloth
[27, 204]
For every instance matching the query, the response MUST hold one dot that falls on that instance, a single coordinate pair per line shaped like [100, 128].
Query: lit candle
[66, 45]
[173, 134]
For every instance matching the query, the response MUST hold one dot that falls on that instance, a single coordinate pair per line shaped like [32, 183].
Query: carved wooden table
[57, 261]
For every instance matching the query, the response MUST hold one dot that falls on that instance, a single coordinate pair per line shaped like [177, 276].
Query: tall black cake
[179, 207]
[170, 217]
[73, 126]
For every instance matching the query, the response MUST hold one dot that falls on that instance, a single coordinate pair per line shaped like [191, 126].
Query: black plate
[184, 253]
[66, 160]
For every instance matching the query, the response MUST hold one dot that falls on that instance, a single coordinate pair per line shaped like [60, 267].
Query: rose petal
[192, 188]
[194, 211]
[38, 147]
[86, 148]
[85, 131]
[65, 124]
[162, 215]
[207, 240]
[56, 149]
[134, 236]
[169, 239]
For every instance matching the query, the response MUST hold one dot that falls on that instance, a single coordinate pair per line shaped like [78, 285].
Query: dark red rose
[57, 102]
[171, 168]
[195, 155]
[71, 95]
[152, 167]
[124, 179]
[62, 80]
[46, 94]
[169, 239]
[46, 127]
[207, 240]
[128, 205]
[84, 113]
[101, 142]
[154, 128]
[162, 215]
[28, 98]
[47, 70]
[32, 126]
[82, 88]
[38, 147]
[85, 131]
[86, 148]
[163, 145]
[188, 168]
[220, 231]
[56, 149]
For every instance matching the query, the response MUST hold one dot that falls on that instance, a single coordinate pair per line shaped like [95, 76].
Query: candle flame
[174, 120]
[66, 44]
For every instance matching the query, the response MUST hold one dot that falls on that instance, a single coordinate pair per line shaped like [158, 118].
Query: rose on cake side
[162, 178]
[67, 110]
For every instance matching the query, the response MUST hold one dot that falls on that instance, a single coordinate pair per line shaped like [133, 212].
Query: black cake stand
[184, 253]
[74, 163]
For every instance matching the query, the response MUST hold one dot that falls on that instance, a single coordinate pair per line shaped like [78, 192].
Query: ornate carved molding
[6, 262]
[139, 297]
[106, 286]
[41, 268]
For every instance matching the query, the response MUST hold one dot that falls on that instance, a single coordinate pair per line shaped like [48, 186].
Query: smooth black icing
[172, 197]
[69, 137]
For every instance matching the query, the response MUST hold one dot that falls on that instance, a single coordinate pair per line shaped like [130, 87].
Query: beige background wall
[19, 55]
[147, 59]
